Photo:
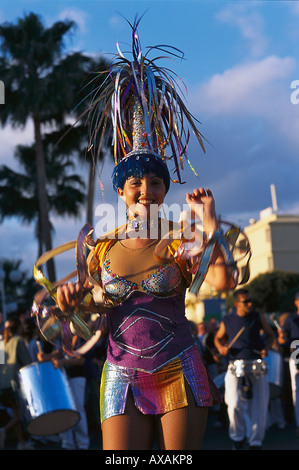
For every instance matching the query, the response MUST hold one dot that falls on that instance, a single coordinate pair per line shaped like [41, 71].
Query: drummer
[16, 357]
[246, 397]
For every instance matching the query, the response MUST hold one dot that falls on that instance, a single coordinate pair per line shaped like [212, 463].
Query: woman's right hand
[69, 296]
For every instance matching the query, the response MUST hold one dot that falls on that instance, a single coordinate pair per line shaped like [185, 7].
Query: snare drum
[46, 400]
[256, 368]
[275, 373]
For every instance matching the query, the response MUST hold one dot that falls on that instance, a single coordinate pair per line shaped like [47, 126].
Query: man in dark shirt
[246, 381]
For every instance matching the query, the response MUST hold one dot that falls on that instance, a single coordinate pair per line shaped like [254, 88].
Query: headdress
[139, 106]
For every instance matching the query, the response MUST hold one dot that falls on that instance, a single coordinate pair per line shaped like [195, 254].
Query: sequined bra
[165, 282]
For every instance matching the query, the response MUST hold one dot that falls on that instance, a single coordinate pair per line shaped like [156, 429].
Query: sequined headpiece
[139, 106]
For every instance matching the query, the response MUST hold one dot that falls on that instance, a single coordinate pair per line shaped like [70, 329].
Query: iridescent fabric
[166, 281]
[158, 392]
[147, 332]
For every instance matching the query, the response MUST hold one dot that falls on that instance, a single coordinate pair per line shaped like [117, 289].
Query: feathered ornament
[139, 107]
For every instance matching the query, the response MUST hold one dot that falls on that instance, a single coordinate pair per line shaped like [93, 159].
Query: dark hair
[242, 291]
[11, 328]
[29, 328]
[138, 165]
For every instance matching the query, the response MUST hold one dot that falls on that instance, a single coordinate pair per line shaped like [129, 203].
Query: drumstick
[39, 347]
[236, 337]
[277, 324]
[256, 351]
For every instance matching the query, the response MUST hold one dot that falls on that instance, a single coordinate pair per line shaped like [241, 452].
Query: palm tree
[19, 194]
[40, 84]
[99, 69]
[19, 294]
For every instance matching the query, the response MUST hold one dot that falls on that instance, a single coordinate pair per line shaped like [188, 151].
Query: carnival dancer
[246, 381]
[153, 378]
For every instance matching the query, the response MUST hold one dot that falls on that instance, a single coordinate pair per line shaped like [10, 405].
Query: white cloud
[258, 89]
[80, 17]
[247, 88]
[10, 138]
[248, 116]
[249, 22]
[115, 21]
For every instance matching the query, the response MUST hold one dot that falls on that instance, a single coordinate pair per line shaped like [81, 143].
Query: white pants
[77, 436]
[294, 374]
[247, 418]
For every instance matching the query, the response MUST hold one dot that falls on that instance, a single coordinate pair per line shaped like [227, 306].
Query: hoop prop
[50, 319]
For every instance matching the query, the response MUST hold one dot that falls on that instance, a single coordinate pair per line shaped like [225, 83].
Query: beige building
[274, 241]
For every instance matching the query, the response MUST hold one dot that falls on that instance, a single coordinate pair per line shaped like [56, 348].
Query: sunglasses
[247, 301]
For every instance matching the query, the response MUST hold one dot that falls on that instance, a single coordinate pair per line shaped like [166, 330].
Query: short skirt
[160, 391]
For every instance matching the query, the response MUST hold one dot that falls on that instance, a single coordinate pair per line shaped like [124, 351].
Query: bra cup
[166, 281]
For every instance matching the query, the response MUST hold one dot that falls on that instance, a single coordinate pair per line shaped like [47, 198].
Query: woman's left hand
[202, 204]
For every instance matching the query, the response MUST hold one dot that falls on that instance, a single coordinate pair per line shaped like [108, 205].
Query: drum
[240, 367]
[275, 373]
[46, 400]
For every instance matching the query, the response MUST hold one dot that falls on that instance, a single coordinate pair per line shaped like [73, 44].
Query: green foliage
[44, 84]
[39, 79]
[21, 292]
[18, 190]
[274, 291]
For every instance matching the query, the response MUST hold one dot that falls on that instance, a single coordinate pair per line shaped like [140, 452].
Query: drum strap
[245, 388]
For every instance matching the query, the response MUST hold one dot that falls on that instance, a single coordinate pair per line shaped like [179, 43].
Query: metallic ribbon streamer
[65, 323]
[223, 241]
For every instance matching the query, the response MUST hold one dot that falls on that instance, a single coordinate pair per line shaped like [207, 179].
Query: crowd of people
[24, 346]
[247, 411]
[245, 352]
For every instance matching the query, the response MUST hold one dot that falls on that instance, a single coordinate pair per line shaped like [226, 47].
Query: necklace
[142, 224]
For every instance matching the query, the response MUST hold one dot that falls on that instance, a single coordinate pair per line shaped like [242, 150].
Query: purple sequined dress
[150, 346]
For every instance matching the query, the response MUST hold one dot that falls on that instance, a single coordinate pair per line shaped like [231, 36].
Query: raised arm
[202, 204]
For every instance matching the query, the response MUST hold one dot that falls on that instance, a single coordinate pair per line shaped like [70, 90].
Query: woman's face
[143, 196]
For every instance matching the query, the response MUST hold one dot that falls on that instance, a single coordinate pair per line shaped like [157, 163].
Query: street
[216, 438]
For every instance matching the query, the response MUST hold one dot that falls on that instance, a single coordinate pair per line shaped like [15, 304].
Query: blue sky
[241, 59]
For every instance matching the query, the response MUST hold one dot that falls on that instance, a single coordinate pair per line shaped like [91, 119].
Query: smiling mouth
[145, 202]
